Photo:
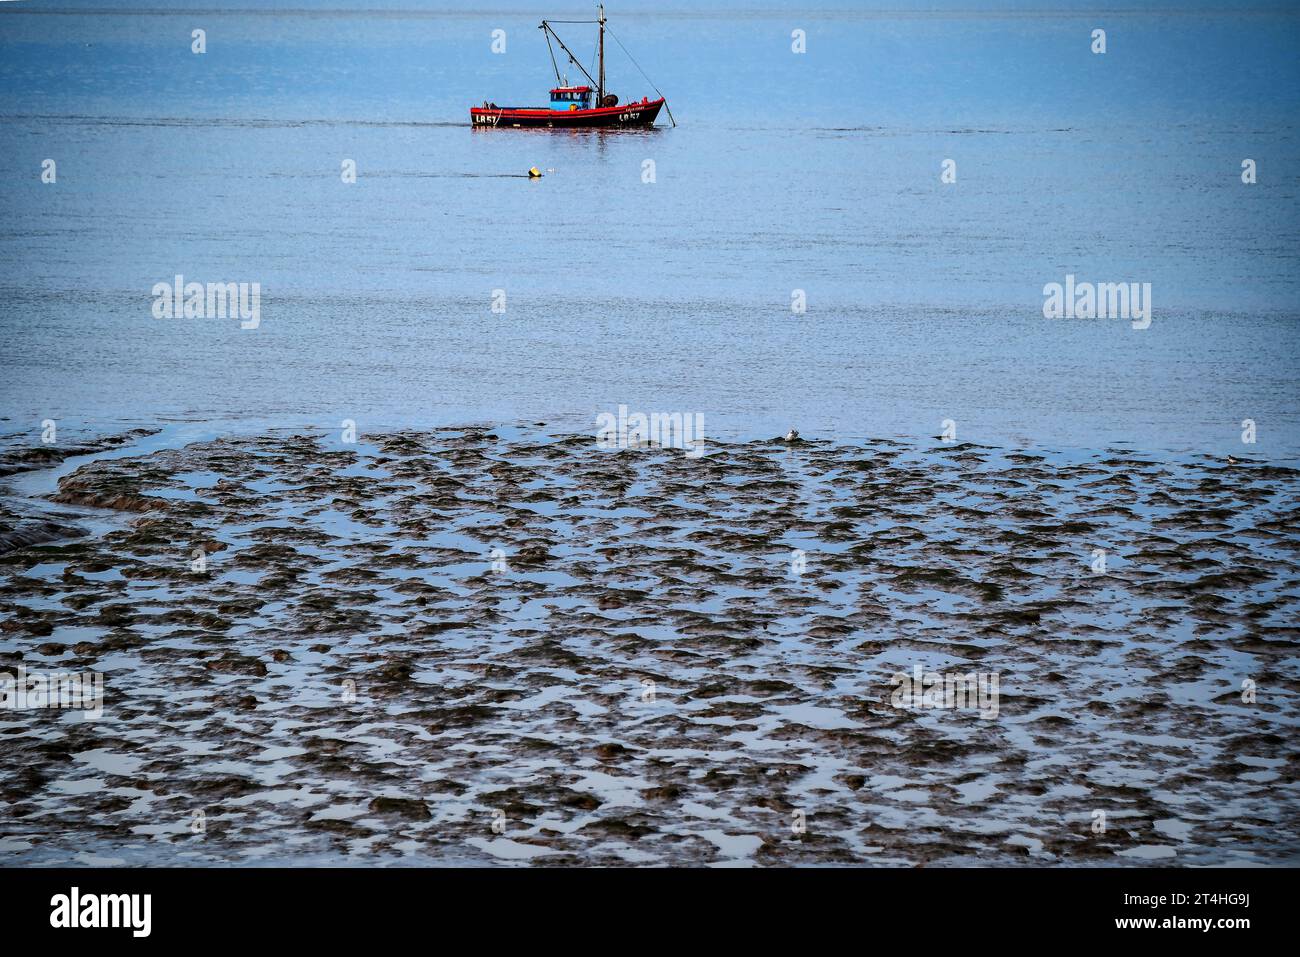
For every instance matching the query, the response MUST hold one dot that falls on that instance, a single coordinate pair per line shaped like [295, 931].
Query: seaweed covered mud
[478, 646]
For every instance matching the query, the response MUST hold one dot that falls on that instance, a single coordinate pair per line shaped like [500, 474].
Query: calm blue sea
[815, 171]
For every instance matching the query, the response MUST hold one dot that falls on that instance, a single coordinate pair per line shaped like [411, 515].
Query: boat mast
[600, 87]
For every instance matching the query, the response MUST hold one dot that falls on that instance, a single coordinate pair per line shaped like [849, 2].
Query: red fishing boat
[575, 107]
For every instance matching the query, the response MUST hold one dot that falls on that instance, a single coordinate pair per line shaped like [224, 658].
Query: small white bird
[791, 436]
[1231, 460]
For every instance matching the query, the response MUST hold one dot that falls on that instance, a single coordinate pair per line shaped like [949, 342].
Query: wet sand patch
[478, 646]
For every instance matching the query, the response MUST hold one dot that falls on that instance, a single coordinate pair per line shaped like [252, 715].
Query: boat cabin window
[564, 98]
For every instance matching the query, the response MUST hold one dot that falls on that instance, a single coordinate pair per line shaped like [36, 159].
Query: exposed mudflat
[647, 679]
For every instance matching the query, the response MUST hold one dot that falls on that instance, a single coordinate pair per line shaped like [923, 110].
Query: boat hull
[605, 117]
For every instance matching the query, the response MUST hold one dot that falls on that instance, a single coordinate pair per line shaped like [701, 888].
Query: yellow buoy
[534, 173]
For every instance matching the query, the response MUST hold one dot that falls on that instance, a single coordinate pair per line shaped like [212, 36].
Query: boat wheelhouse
[571, 98]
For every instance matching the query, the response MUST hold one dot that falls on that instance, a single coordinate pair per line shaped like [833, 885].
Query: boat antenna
[642, 72]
